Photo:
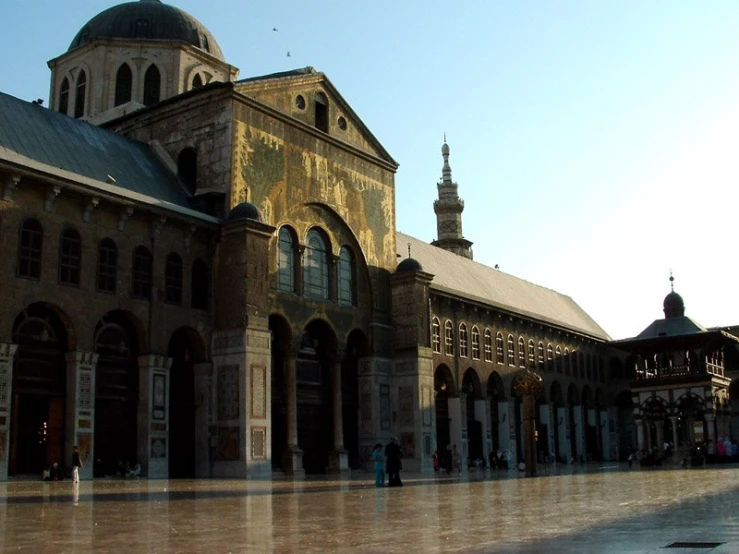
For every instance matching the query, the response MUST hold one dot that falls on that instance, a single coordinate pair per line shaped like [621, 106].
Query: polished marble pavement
[594, 509]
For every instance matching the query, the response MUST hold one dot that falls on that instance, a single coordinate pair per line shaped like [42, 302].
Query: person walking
[379, 466]
[394, 465]
[76, 465]
[456, 459]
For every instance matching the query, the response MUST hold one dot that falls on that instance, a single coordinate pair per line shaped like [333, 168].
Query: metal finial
[672, 282]
[409, 249]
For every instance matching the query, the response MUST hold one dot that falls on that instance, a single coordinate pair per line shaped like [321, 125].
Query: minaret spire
[448, 209]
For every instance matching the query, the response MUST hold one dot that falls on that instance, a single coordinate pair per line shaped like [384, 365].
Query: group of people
[390, 462]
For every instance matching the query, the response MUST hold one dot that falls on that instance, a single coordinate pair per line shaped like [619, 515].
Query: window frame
[142, 273]
[448, 338]
[462, 340]
[70, 257]
[107, 270]
[435, 335]
[173, 279]
[30, 249]
[475, 340]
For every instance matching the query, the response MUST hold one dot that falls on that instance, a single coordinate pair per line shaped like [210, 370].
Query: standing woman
[379, 465]
[393, 455]
[76, 465]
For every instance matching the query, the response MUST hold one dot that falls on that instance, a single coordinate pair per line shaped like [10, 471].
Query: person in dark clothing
[393, 456]
[76, 465]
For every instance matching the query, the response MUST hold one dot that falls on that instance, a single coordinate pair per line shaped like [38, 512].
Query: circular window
[342, 123]
[300, 102]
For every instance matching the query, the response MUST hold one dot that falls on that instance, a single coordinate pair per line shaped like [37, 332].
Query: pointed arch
[152, 85]
[123, 85]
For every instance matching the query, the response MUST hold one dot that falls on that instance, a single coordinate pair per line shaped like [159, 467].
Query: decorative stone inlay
[384, 407]
[4, 382]
[158, 448]
[228, 392]
[405, 404]
[259, 443]
[229, 443]
[226, 340]
[258, 392]
[426, 405]
[85, 390]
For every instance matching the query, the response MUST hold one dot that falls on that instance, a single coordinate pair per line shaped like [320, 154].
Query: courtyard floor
[594, 509]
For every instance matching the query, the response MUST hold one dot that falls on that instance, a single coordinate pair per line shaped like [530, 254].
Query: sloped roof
[670, 327]
[34, 133]
[460, 276]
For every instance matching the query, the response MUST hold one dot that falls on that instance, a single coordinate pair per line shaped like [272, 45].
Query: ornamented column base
[292, 461]
[338, 463]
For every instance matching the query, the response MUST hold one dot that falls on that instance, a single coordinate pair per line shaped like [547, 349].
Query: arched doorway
[116, 393]
[356, 348]
[691, 424]
[557, 403]
[313, 368]
[281, 343]
[734, 408]
[444, 389]
[542, 429]
[625, 424]
[588, 422]
[517, 401]
[473, 392]
[39, 391]
[186, 348]
[496, 394]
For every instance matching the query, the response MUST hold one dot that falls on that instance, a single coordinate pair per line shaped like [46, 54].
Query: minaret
[448, 209]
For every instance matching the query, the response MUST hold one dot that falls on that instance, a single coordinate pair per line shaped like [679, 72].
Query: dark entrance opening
[471, 385]
[281, 341]
[39, 392]
[443, 387]
[116, 394]
[356, 348]
[185, 349]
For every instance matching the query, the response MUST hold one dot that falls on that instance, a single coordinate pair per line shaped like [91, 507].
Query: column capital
[155, 361]
[7, 351]
[82, 357]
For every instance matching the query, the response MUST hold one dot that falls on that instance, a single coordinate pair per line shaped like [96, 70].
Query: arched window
[200, 285]
[550, 357]
[173, 279]
[141, 277]
[315, 267]
[532, 353]
[197, 82]
[64, 97]
[436, 335]
[448, 338]
[142, 28]
[475, 343]
[187, 168]
[346, 276]
[568, 362]
[588, 367]
[79, 100]
[462, 340]
[521, 352]
[488, 352]
[499, 348]
[582, 365]
[286, 261]
[575, 364]
[321, 109]
[123, 85]
[107, 265]
[29, 249]
[70, 251]
[540, 355]
[511, 350]
[558, 353]
[152, 85]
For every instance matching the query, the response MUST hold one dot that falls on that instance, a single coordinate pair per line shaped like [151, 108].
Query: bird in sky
[274, 29]
[288, 53]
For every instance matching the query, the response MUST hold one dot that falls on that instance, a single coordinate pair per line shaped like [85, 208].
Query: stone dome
[673, 305]
[409, 264]
[148, 20]
[245, 210]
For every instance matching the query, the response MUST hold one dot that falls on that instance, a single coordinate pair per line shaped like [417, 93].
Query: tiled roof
[462, 277]
[64, 143]
[670, 327]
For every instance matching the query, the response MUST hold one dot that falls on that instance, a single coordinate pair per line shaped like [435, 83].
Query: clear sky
[594, 142]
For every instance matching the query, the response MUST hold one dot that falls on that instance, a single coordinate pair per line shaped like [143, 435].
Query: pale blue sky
[594, 142]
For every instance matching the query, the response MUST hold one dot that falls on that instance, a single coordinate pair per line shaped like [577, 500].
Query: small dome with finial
[409, 264]
[245, 210]
[673, 304]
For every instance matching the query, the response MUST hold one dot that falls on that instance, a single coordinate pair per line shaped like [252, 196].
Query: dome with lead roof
[148, 20]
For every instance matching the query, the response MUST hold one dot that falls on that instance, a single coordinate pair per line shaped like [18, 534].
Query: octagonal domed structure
[148, 20]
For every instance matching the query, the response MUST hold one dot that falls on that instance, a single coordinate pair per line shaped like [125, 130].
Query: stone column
[455, 424]
[605, 436]
[639, 433]
[504, 428]
[564, 444]
[292, 461]
[711, 427]
[205, 433]
[7, 352]
[579, 432]
[153, 416]
[660, 426]
[673, 420]
[545, 415]
[79, 418]
[481, 414]
[338, 462]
